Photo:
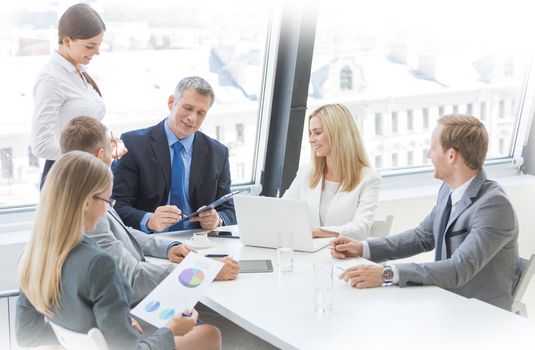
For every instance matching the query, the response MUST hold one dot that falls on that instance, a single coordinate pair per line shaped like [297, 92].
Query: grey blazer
[94, 293]
[479, 250]
[128, 247]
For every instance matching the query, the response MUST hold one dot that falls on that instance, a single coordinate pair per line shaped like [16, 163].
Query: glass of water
[323, 286]
[285, 251]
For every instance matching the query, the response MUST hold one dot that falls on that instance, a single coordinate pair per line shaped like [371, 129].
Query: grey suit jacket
[94, 294]
[479, 250]
[128, 247]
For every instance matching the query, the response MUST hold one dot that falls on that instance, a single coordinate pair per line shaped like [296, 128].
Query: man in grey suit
[126, 245]
[473, 227]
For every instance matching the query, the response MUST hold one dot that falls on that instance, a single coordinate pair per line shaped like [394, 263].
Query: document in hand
[179, 291]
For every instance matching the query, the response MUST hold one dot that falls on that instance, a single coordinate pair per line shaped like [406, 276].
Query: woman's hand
[182, 325]
[117, 148]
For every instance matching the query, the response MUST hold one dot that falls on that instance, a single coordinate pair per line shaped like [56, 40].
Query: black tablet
[223, 234]
[212, 205]
[247, 266]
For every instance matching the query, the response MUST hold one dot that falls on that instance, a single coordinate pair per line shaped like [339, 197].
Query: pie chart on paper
[191, 278]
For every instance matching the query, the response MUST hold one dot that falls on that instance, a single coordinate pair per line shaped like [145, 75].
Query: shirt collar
[458, 193]
[187, 141]
[62, 61]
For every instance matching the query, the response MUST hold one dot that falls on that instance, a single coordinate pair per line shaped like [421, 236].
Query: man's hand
[364, 276]
[163, 217]
[207, 219]
[343, 247]
[178, 252]
[230, 270]
[318, 232]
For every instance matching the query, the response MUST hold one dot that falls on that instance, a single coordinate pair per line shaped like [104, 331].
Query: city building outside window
[378, 124]
[425, 118]
[346, 79]
[469, 109]
[410, 120]
[410, 158]
[378, 161]
[394, 122]
[240, 137]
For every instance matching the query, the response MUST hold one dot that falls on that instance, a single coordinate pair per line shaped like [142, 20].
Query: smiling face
[317, 137]
[439, 156]
[81, 51]
[188, 113]
[94, 209]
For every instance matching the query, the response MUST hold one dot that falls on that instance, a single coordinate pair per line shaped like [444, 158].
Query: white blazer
[350, 213]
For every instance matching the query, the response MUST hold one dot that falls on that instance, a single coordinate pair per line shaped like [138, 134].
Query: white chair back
[525, 269]
[70, 340]
[381, 228]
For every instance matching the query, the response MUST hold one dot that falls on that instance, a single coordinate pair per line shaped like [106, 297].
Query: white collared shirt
[458, 193]
[60, 94]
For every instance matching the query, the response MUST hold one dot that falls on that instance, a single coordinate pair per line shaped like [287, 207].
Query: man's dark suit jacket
[142, 177]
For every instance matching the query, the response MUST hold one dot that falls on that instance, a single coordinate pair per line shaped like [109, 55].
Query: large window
[148, 47]
[414, 61]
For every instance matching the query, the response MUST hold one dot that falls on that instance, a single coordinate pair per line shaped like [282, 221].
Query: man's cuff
[172, 244]
[222, 222]
[395, 278]
[143, 223]
[365, 250]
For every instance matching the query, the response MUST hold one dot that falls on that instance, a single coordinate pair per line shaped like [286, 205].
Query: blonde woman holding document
[66, 277]
[340, 186]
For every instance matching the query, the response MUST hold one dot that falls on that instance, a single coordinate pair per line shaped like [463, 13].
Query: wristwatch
[388, 275]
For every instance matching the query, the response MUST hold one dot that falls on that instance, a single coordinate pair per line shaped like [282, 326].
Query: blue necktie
[178, 193]
[443, 223]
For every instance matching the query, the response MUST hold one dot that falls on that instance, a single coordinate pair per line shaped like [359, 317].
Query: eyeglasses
[111, 202]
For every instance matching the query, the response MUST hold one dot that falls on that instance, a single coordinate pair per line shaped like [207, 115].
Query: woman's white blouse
[327, 194]
[60, 94]
[348, 213]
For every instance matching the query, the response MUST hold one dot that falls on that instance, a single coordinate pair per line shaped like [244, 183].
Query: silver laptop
[260, 218]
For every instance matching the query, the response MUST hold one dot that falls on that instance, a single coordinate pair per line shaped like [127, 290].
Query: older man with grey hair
[172, 168]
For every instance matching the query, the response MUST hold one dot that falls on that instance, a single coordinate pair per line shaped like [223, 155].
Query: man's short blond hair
[83, 134]
[466, 134]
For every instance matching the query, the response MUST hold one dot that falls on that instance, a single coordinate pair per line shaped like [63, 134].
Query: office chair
[70, 340]
[381, 228]
[525, 269]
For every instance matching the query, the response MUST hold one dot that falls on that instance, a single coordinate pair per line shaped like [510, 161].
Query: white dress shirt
[456, 196]
[60, 94]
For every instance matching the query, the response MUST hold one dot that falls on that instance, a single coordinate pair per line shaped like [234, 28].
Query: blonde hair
[347, 150]
[467, 135]
[59, 225]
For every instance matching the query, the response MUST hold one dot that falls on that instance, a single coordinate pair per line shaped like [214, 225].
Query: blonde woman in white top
[63, 89]
[339, 185]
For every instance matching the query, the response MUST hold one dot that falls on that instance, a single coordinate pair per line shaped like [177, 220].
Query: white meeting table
[279, 308]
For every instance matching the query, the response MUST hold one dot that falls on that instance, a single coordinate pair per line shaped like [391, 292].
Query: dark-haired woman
[63, 89]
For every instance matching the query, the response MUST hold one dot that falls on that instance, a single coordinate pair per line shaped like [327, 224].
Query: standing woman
[340, 186]
[66, 277]
[63, 89]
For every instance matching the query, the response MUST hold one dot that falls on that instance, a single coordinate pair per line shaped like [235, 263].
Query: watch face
[388, 274]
